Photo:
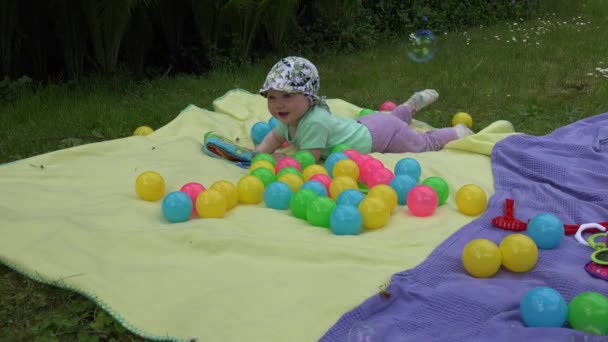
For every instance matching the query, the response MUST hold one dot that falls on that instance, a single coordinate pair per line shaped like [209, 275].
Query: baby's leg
[405, 112]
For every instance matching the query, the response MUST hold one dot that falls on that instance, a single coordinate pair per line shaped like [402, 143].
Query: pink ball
[192, 189]
[367, 167]
[422, 200]
[387, 106]
[352, 154]
[325, 179]
[288, 162]
[379, 176]
[362, 158]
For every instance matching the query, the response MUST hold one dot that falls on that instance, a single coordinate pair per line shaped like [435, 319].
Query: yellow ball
[262, 163]
[227, 189]
[346, 167]
[519, 253]
[312, 170]
[471, 200]
[150, 186]
[210, 204]
[292, 180]
[385, 193]
[375, 212]
[341, 183]
[143, 130]
[250, 190]
[481, 258]
[462, 118]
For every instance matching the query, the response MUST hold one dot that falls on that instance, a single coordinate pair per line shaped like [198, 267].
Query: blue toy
[259, 131]
[547, 230]
[315, 186]
[408, 166]
[345, 220]
[402, 184]
[332, 159]
[543, 307]
[277, 195]
[350, 197]
[273, 122]
[177, 207]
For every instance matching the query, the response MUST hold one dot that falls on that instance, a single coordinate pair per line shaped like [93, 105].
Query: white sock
[422, 99]
[462, 131]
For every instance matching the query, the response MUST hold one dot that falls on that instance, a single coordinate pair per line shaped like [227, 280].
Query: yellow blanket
[71, 218]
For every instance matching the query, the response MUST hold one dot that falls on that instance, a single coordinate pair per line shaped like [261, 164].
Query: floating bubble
[422, 46]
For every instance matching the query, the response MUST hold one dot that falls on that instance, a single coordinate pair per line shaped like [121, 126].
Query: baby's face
[287, 107]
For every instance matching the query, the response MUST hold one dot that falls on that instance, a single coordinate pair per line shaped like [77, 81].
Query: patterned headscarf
[294, 75]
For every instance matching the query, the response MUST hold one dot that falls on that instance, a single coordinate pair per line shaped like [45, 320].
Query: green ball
[319, 211]
[339, 148]
[265, 175]
[265, 156]
[305, 158]
[300, 201]
[366, 111]
[289, 169]
[588, 312]
[440, 186]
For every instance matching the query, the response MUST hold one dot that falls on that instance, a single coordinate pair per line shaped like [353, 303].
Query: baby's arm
[271, 143]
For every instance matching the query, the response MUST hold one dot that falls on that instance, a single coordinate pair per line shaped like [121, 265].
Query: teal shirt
[319, 128]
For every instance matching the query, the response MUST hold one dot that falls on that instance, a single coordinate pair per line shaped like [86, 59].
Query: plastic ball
[375, 213]
[345, 220]
[481, 258]
[262, 163]
[385, 193]
[273, 122]
[440, 186]
[346, 167]
[192, 189]
[229, 191]
[350, 197]
[211, 204]
[339, 148]
[340, 184]
[462, 118]
[409, 167]
[288, 162]
[265, 156]
[547, 230]
[387, 106]
[294, 181]
[402, 184]
[324, 179]
[365, 111]
[313, 170]
[588, 312]
[250, 190]
[471, 200]
[422, 200]
[519, 253]
[351, 154]
[143, 130]
[277, 196]
[150, 186]
[288, 169]
[543, 307]
[332, 159]
[177, 207]
[305, 159]
[259, 131]
[265, 175]
[319, 211]
[300, 201]
[367, 167]
[379, 176]
[316, 186]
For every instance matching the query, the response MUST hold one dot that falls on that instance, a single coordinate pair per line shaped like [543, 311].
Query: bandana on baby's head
[294, 75]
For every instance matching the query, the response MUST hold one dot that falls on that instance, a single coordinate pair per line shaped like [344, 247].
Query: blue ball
[259, 131]
[543, 307]
[350, 197]
[277, 195]
[345, 220]
[332, 159]
[177, 207]
[315, 186]
[547, 230]
[410, 167]
[402, 184]
[273, 122]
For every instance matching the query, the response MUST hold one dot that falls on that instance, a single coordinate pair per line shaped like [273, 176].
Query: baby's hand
[278, 156]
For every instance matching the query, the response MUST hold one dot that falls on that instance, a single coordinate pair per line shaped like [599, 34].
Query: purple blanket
[564, 173]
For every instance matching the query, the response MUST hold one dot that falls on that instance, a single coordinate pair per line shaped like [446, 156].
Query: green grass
[538, 87]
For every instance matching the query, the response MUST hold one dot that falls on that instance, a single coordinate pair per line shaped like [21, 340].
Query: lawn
[540, 75]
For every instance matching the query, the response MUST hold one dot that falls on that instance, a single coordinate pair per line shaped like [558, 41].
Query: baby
[305, 120]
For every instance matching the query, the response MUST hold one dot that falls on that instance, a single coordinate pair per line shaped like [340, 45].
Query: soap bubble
[422, 46]
[361, 332]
